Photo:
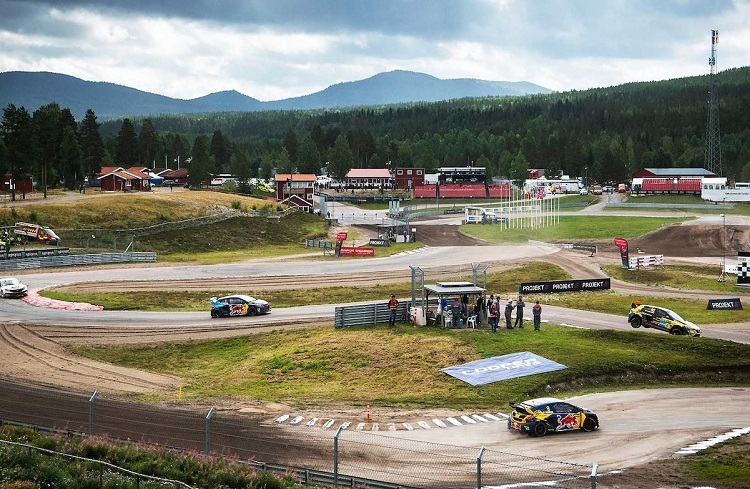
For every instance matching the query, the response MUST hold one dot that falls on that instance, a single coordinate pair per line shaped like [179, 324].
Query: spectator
[508, 313]
[492, 314]
[393, 308]
[519, 312]
[536, 312]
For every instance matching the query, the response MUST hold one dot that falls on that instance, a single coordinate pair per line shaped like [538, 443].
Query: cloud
[285, 48]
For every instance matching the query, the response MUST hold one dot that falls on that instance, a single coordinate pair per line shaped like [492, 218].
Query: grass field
[572, 227]
[319, 367]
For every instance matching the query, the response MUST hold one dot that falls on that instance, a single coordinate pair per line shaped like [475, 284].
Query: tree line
[604, 134]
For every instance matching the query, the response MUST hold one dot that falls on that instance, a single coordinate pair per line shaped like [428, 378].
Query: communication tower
[712, 160]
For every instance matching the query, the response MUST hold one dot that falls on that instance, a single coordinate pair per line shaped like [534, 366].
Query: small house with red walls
[26, 184]
[295, 189]
[408, 178]
[132, 179]
[178, 176]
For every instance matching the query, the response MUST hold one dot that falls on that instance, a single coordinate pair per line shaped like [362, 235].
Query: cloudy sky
[274, 49]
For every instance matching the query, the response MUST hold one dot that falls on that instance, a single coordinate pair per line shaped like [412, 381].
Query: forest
[604, 133]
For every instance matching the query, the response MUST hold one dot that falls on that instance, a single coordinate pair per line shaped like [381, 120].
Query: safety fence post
[593, 475]
[208, 430]
[91, 412]
[479, 468]
[336, 457]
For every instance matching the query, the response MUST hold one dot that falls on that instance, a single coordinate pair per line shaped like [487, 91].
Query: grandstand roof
[673, 172]
[368, 173]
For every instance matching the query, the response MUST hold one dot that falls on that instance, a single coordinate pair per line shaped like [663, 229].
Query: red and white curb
[697, 447]
[327, 423]
[35, 299]
[411, 252]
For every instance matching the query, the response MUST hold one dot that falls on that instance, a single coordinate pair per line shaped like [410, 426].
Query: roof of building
[295, 177]
[369, 173]
[457, 288]
[178, 173]
[296, 201]
[676, 172]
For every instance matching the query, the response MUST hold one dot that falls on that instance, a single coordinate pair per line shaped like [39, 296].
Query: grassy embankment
[90, 222]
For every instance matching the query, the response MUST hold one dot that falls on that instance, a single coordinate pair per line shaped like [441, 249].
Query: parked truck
[35, 232]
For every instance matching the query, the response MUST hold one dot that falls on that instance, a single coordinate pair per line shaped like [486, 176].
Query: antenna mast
[712, 160]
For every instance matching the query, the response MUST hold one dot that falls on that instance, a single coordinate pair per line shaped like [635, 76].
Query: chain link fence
[345, 458]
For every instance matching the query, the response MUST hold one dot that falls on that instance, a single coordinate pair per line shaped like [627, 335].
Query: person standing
[393, 308]
[519, 312]
[492, 314]
[508, 314]
[536, 312]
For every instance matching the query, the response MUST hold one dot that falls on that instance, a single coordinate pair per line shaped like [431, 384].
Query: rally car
[537, 417]
[238, 305]
[662, 319]
[12, 287]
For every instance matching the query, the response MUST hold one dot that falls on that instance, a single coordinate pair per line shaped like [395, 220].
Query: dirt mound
[687, 240]
[445, 236]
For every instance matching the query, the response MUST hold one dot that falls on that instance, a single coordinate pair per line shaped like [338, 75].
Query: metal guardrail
[318, 243]
[650, 205]
[368, 314]
[70, 260]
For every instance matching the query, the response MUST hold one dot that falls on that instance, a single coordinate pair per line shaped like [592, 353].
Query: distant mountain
[108, 100]
[398, 87]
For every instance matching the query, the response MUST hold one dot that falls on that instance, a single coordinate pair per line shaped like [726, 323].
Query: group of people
[493, 313]
[491, 309]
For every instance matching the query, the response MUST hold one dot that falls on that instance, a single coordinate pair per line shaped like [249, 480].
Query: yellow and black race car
[662, 319]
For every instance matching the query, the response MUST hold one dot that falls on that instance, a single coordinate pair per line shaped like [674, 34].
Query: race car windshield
[676, 316]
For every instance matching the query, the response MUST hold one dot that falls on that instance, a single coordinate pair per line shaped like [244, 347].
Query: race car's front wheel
[252, 311]
[677, 331]
[540, 429]
[636, 322]
[589, 424]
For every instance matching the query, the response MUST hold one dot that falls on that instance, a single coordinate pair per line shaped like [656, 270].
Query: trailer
[564, 185]
[35, 232]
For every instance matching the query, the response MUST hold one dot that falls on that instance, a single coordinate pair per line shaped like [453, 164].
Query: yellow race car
[662, 319]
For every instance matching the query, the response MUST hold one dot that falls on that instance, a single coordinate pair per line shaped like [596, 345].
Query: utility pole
[712, 160]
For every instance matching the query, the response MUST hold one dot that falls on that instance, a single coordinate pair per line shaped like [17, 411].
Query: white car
[12, 287]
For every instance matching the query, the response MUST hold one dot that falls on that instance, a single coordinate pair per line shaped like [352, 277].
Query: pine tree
[147, 144]
[71, 160]
[126, 150]
[92, 147]
[17, 132]
[340, 159]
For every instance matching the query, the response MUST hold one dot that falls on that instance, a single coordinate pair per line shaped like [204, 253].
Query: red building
[369, 178]
[126, 180]
[178, 176]
[408, 178]
[24, 185]
[295, 189]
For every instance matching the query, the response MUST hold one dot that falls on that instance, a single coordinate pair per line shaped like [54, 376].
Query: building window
[408, 172]
[399, 172]
[419, 172]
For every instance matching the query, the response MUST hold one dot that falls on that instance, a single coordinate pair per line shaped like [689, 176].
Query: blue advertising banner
[494, 369]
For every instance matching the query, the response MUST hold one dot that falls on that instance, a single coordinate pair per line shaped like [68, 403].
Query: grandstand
[649, 181]
[469, 182]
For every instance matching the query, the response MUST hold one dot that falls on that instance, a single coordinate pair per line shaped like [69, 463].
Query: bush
[33, 217]
[236, 204]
